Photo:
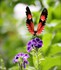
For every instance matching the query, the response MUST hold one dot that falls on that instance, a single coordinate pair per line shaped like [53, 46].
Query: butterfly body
[41, 24]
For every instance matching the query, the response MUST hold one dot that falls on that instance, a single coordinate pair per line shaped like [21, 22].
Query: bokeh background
[14, 34]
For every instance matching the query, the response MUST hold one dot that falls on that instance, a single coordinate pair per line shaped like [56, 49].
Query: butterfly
[41, 24]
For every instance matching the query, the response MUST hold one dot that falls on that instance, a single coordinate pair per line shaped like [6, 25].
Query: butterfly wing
[42, 21]
[29, 21]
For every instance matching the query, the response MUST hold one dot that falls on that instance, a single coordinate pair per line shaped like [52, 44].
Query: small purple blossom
[34, 43]
[24, 58]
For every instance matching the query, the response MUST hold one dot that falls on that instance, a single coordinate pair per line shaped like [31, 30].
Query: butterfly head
[35, 33]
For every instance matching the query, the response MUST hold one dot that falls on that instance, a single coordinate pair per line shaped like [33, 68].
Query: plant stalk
[37, 59]
[20, 66]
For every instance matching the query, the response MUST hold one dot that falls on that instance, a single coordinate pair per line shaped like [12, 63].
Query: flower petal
[29, 43]
[26, 55]
[33, 42]
[29, 49]
[26, 62]
[37, 39]
[39, 45]
[24, 65]
[40, 41]
[15, 59]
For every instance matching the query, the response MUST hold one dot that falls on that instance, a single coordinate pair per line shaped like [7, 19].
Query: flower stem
[20, 66]
[37, 59]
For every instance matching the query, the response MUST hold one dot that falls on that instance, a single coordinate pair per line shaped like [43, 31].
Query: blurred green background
[14, 34]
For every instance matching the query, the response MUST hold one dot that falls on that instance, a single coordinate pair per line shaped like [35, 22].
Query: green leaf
[47, 38]
[49, 62]
[54, 50]
[50, 11]
[30, 60]
[35, 61]
[57, 38]
[16, 67]
[57, 11]
[51, 2]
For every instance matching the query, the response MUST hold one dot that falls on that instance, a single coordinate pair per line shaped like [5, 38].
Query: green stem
[20, 66]
[37, 59]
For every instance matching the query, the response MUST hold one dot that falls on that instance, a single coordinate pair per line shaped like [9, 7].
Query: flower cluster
[34, 43]
[24, 58]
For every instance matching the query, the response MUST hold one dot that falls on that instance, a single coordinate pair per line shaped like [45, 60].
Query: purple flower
[34, 43]
[24, 58]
